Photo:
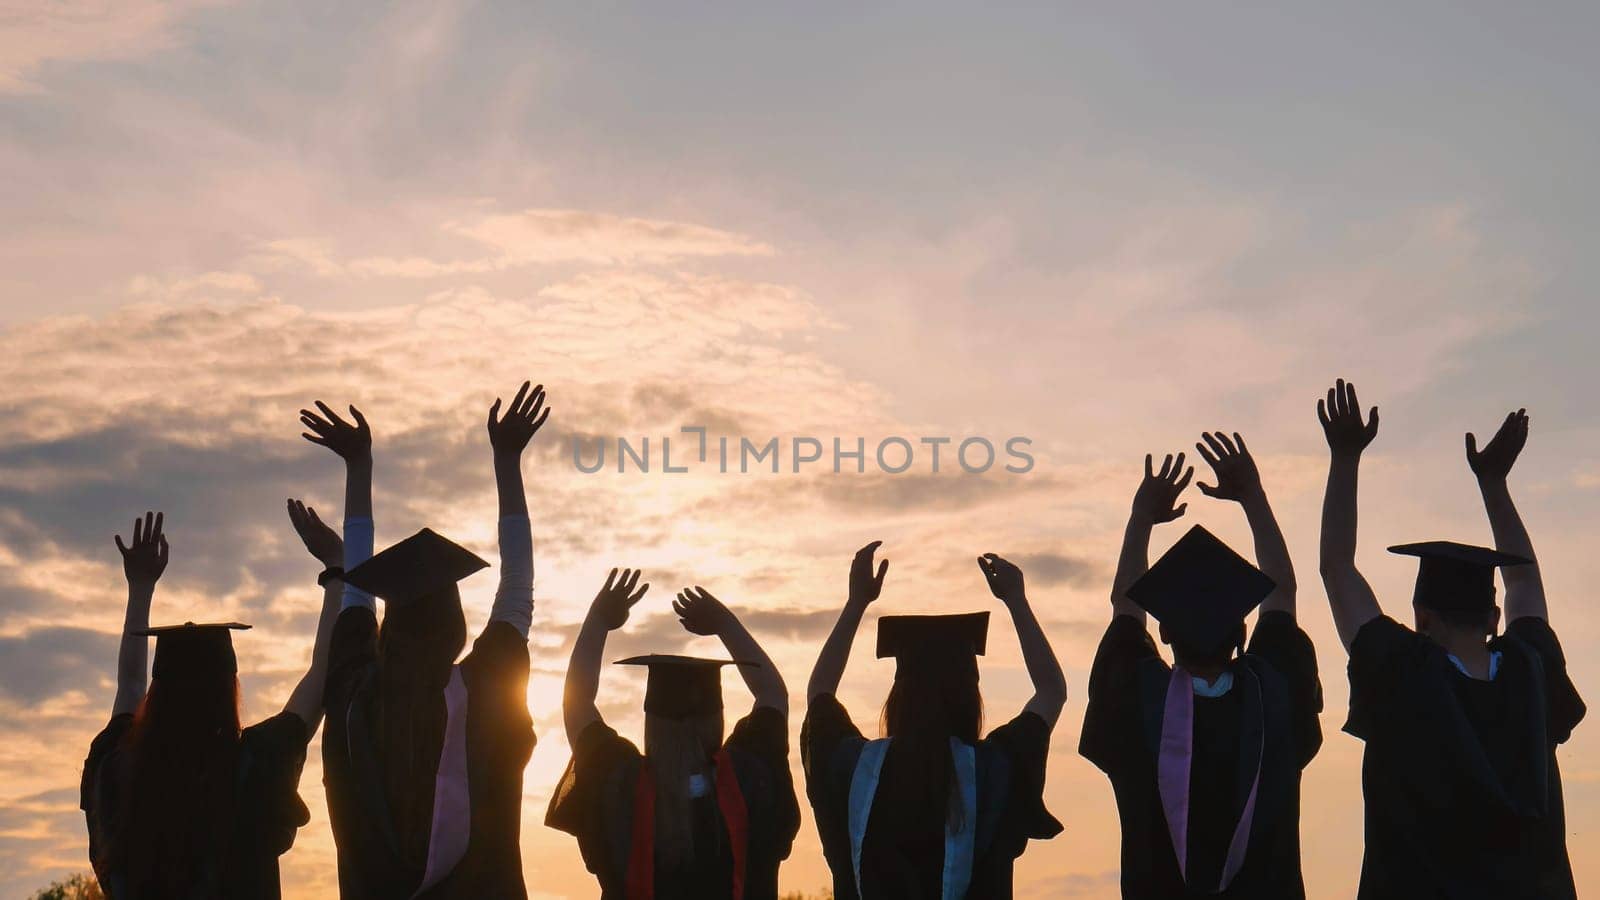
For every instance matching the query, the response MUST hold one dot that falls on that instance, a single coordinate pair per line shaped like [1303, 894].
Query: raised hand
[146, 559]
[864, 585]
[353, 443]
[1340, 414]
[1494, 462]
[522, 420]
[324, 543]
[1005, 579]
[1236, 473]
[1157, 494]
[700, 613]
[617, 598]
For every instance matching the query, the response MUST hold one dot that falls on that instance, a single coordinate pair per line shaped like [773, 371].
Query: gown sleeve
[1383, 658]
[1111, 722]
[826, 727]
[1025, 741]
[764, 735]
[500, 666]
[1564, 708]
[1281, 642]
[96, 795]
[579, 804]
[274, 752]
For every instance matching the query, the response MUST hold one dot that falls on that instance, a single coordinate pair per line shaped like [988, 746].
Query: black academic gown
[905, 859]
[499, 742]
[596, 798]
[1463, 793]
[1121, 735]
[266, 803]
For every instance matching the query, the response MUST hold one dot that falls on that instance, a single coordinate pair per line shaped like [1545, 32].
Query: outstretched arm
[353, 444]
[1239, 480]
[608, 613]
[327, 548]
[1524, 584]
[1154, 503]
[701, 613]
[865, 586]
[1044, 670]
[142, 565]
[509, 436]
[1349, 594]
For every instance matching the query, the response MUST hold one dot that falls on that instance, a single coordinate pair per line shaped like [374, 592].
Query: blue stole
[958, 844]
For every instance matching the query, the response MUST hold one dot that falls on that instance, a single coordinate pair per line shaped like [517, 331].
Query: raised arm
[353, 444]
[1154, 503]
[509, 436]
[326, 547]
[608, 613]
[865, 586]
[142, 565]
[1349, 594]
[1044, 670]
[1239, 480]
[701, 613]
[1524, 584]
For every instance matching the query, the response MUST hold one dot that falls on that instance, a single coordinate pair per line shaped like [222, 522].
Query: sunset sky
[1103, 231]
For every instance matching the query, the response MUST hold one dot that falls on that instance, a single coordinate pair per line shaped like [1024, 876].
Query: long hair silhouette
[179, 806]
[417, 646]
[675, 749]
[922, 714]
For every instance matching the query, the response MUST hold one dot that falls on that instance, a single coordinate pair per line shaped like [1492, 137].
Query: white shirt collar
[1494, 665]
[1222, 685]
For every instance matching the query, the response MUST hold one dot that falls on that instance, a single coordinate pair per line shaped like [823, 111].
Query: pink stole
[1172, 776]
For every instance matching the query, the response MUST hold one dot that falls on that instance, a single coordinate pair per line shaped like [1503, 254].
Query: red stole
[640, 883]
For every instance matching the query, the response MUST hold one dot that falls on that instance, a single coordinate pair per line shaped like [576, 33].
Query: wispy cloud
[532, 237]
[34, 34]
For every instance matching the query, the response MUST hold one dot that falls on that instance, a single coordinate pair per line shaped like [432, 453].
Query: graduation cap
[1200, 590]
[417, 567]
[951, 642]
[681, 687]
[1454, 576]
[194, 651]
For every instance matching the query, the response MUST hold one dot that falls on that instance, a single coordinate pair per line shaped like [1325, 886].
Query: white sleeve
[357, 550]
[513, 600]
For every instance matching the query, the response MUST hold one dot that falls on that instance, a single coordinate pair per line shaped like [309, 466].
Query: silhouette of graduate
[1205, 754]
[930, 810]
[694, 817]
[424, 756]
[1460, 779]
[181, 802]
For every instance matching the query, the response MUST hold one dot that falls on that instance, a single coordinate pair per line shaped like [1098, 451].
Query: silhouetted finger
[120, 545]
[1227, 444]
[1184, 482]
[330, 415]
[1322, 413]
[537, 423]
[1206, 489]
